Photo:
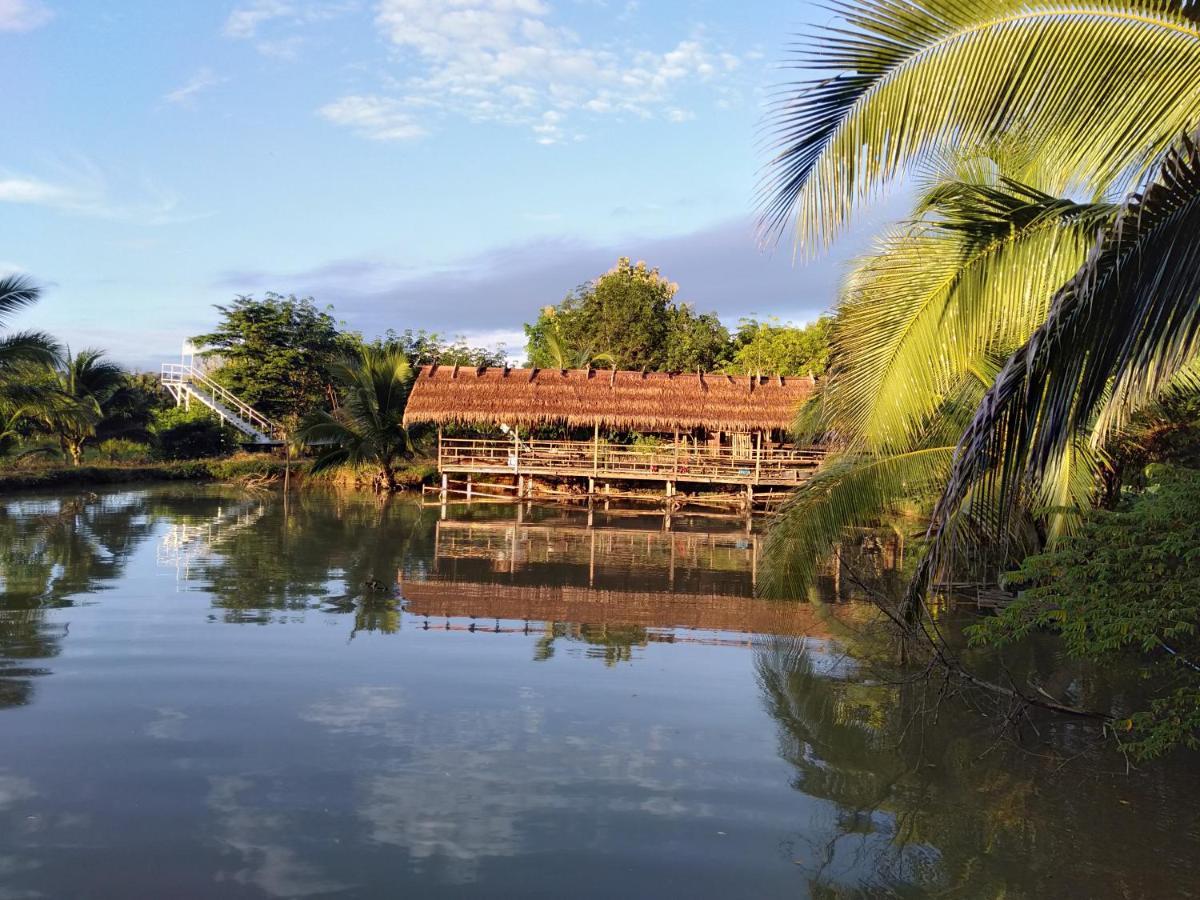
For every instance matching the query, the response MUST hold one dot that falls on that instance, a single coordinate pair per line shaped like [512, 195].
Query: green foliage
[626, 318]
[367, 427]
[774, 348]
[276, 353]
[116, 450]
[1097, 90]
[1128, 581]
[190, 434]
[423, 348]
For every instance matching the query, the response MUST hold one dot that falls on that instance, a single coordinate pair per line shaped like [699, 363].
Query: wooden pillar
[439, 448]
[596, 452]
[445, 486]
[758, 442]
[470, 486]
[676, 464]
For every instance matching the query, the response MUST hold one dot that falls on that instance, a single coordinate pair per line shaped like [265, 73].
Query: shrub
[191, 434]
[116, 450]
[1127, 582]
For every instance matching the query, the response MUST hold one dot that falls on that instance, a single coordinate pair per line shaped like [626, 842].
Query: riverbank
[256, 467]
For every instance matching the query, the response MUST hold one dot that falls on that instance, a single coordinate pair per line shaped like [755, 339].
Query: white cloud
[243, 22]
[201, 81]
[508, 61]
[23, 15]
[83, 189]
[247, 21]
[377, 118]
[31, 190]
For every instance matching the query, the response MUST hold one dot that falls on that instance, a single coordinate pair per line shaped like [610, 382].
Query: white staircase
[187, 383]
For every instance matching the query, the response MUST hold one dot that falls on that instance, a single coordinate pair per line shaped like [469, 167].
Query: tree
[367, 427]
[626, 318]
[85, 384]
[276, 353]
[424, 348]
[774, 348]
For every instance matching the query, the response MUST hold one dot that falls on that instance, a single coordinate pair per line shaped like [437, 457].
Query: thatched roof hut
[642, 401]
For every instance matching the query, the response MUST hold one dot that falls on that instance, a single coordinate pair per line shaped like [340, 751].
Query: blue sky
[443, 164]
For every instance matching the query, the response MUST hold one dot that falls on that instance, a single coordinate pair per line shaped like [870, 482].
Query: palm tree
[1095, 94]
[566, 357]
[368, 425]
[84, 384]
[16, 293]
[919, 334]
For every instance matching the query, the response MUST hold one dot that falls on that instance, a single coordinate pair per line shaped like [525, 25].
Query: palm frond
[28, 346]
[16, 292]
[1096, 90]
[853, 490]
[1123, 327]
[940, 297]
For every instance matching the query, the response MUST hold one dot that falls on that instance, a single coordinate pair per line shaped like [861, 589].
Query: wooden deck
[600, 460]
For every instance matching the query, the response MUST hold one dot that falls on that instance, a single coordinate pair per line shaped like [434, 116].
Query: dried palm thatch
[641, 401]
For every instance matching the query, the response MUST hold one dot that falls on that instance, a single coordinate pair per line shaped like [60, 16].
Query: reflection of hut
[650, 609]
[715, 429]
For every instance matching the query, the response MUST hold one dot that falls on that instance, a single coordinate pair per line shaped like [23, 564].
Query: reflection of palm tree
[47, 558]
[930, 795]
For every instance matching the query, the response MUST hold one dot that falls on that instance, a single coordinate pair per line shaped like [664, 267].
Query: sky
[451, 165]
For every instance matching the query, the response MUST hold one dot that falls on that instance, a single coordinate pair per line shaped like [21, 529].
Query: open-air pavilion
[708, 429]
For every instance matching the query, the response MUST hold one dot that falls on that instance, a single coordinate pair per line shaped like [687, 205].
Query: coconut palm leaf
[1097, 89]
[940, 296]
[1123, 327]
[367, 426]
[16, 293]
[850, 491]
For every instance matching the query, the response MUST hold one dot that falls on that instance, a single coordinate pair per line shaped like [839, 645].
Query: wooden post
[439, 448]
[676, 465]
[445, 486]
[469, 486]
[596, 450]
[757, 456]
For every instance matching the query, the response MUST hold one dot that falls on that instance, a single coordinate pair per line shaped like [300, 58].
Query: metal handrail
[182, 374]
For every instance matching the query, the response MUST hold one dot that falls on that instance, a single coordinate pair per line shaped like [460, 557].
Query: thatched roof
[644, 401]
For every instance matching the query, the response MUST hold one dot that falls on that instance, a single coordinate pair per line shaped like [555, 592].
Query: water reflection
[335, 696]
[949, 806]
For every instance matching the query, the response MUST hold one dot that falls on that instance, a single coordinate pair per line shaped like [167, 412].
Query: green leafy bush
[190, 434]
[116, 450]
[1127, 583]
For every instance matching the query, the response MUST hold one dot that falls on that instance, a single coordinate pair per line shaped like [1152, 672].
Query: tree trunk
[389, 477]
[74, 449]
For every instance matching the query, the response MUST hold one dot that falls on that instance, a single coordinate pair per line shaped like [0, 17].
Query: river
[211, 693]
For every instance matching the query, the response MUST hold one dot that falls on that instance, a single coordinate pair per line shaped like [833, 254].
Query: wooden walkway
[602, 461]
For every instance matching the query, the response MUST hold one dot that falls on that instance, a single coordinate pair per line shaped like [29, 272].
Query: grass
[240, 467]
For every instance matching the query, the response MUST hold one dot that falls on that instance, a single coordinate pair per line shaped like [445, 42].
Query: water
[203, 694]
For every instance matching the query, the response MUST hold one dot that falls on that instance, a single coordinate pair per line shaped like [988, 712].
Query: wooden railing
[601, 459]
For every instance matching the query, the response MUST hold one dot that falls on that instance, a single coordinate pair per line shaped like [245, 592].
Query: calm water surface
[206, 694]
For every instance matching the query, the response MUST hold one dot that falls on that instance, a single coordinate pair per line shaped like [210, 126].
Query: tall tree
[775, 348]
[627, 318]
[276, 353]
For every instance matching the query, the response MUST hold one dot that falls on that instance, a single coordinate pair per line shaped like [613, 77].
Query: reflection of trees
[947, 803]
[52, 551]
[298, 554]
[611, 643]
